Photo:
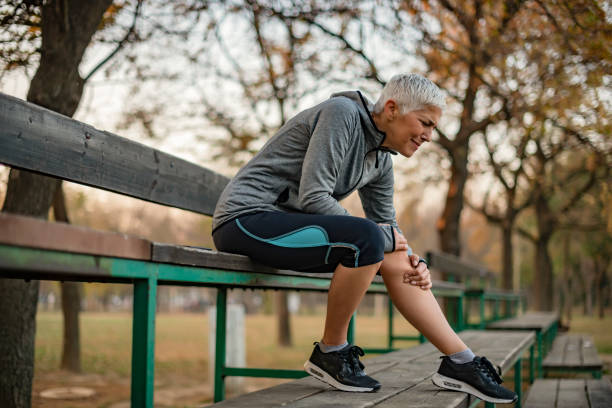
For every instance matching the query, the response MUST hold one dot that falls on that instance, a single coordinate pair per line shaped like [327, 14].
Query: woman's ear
[392, 109]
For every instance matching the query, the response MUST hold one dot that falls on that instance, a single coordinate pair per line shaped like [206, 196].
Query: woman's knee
[395, 263]
[373, 240]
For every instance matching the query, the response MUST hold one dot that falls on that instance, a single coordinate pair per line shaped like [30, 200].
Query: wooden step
[573, 352]
[569, 393]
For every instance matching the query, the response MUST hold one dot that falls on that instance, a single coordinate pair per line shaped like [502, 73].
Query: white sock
[462, 357]
[328, 349]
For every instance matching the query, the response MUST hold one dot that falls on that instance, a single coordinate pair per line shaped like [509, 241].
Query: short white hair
[411, 92]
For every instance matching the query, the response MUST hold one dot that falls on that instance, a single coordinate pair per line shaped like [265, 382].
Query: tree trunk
[448, 223]
[543, 271]
[543, 277]
[28, 194]
[568, 299]
[587, 276]
[507, 258]
[67, 28]
[282, 311]
[71, 301]
[600, 282]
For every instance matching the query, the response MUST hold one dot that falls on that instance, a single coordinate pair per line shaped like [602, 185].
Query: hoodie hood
[375, 136]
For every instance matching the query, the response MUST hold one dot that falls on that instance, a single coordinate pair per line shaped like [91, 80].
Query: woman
[282, 209]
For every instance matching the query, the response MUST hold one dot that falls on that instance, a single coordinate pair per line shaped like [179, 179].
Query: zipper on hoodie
[377, 149]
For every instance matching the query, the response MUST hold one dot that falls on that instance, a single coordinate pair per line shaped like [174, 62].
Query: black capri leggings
[302, 242]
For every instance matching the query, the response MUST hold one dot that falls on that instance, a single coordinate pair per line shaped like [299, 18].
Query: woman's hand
[401, 244]
[419, 276]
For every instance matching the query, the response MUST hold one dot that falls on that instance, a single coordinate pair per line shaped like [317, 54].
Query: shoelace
[351, 356]
[488, 369]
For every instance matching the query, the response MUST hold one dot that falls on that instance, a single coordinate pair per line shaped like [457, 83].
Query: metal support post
[518, 381]
[531, 364]
[540, 357]
[350, 335]
[482, 324]
[460, 312]
[220, 344]
[143, 342]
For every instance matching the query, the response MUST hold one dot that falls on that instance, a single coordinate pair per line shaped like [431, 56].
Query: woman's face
[406, 132]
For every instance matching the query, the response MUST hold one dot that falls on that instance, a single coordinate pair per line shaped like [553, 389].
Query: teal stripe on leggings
[306, 237]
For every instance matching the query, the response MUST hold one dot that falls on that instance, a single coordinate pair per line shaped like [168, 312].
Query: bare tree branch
[120, 44]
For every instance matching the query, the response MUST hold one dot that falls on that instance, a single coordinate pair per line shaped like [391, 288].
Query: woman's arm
[329, 142]
[377, 201]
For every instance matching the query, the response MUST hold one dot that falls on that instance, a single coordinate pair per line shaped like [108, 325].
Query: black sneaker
[478, 377]
[341, 369]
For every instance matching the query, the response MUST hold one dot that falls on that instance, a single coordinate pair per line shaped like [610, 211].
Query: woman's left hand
[419, 275]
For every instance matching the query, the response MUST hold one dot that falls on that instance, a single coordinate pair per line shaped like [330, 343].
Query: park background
[517, 178]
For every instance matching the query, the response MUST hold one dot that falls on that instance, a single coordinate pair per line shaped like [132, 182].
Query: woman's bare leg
[418, 306]
[346, 290]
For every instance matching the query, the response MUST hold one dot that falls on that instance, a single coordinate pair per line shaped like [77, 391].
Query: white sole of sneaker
[456, 385]
[321, 375]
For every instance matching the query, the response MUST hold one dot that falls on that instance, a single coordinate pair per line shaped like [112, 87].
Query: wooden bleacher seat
[405, 376]
[570, 393]
[573, 352]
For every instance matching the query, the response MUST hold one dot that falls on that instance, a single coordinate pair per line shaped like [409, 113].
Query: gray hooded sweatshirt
[315, 160]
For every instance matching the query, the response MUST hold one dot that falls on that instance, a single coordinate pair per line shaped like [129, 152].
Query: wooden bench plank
[394, 380]
[405, 376]
[572, 394]
[557, 352]
[569, 393]
[40, 140]
[540, 321]
[454, 265]
[599, 392]
[542, 394]
[293, 391]
[33, 263]
[573, 351]
[590, 358]
[34, 233]
[427, 395]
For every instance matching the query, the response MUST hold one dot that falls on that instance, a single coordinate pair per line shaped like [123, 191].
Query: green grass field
[182, 341]
[181, 349]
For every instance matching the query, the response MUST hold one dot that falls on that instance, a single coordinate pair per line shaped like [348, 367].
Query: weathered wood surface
[452, 264]
[405, 376]
[573, 351]
[30, 232]
[540, 321]
[37, 139]
[569, 393]
[599, 392]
